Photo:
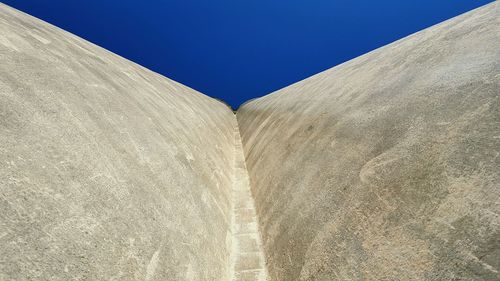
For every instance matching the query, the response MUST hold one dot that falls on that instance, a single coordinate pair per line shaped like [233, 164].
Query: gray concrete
[108, 171]
[386, 167]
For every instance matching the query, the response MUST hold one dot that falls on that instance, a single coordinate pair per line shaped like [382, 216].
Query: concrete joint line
[247, 257]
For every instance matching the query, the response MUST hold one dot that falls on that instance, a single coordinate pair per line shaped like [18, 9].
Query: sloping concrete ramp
[108, 171]
[384, 168]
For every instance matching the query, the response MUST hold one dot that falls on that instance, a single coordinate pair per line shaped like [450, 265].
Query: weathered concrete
[386, 167]
[108, 171]
[247, 260]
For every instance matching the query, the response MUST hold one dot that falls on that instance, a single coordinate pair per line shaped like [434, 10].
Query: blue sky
[236, 50]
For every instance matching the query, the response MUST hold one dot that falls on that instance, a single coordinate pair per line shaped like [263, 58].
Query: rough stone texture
[108, 171]
[386, 167]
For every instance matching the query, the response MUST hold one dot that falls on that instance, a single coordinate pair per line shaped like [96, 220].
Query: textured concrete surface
[108, 171]
[386, 167]
[247, 260]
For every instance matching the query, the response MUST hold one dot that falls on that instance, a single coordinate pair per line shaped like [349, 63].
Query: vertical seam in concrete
[247, 261]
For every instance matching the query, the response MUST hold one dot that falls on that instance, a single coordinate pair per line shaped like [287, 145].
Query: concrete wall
[386, 167]
[108, 171]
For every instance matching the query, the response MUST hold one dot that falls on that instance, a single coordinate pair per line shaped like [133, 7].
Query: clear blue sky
[236, 50]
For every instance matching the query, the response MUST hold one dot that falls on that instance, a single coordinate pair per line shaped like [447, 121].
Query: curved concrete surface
[108, 171]
[386, 167]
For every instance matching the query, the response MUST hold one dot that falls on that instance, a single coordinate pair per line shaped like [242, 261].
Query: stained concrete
[108, 171]
[386, 167]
